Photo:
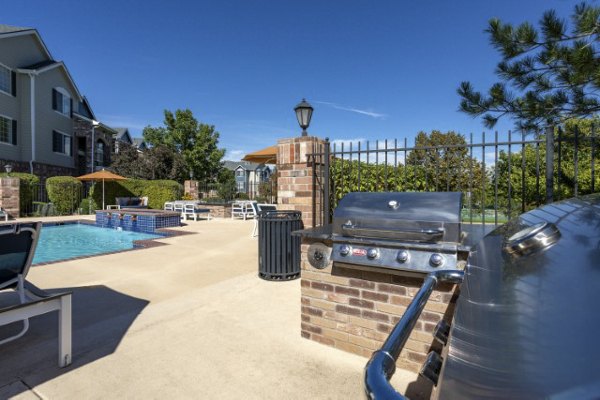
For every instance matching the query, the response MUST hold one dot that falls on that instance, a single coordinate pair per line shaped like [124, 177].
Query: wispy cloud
[369, 113]
[234, 154]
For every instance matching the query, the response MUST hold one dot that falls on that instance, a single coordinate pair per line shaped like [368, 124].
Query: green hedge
[158, 192]
[88, 206]
[65, 193]
[29, 185]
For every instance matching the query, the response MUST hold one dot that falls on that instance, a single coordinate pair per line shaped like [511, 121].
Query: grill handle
[403, 234]
[382, 364]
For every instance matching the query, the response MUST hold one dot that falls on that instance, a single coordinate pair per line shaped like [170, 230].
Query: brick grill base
[355, 310]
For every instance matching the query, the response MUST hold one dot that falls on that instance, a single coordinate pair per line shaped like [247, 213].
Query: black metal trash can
[278, 250]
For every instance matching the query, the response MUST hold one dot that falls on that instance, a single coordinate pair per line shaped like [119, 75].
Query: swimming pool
[63, 242]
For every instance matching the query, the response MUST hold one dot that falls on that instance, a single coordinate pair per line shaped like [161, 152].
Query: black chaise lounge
[17, 247]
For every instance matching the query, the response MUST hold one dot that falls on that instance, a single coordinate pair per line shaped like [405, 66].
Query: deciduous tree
[197, 143]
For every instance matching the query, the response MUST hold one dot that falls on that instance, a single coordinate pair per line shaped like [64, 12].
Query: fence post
[326, 203]
[549, 164]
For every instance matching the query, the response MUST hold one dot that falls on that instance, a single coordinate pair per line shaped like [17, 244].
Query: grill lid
[414, 216]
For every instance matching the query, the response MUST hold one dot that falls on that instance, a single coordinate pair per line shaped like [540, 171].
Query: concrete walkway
[187, 320]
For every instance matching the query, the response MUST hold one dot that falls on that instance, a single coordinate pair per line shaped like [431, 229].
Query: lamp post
[303, 114]
[94, 125]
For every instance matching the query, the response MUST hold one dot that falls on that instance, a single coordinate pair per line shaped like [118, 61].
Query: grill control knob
[345, 250]
[436, 260]
[372, 254]
[402, 256]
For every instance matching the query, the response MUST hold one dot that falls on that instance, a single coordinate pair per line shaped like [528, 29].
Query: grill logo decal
[359, 252]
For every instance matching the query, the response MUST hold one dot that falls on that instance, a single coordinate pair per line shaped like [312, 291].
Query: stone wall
[218, 210]
[9, 196]
[355, 310]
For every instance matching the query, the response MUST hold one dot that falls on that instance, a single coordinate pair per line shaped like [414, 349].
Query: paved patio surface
[186, 320]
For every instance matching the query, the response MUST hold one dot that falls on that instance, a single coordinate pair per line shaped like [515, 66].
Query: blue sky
[371, 69]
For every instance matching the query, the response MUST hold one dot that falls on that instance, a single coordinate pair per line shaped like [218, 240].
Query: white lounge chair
[191, 210]
[258, 208]
[17, 247]
[178, 207]
[242, 209]
[168, 206]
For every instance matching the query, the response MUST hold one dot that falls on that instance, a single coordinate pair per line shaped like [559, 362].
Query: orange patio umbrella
[102, 175]
[267, 155]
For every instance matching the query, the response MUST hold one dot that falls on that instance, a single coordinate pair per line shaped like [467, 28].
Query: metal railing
[263, 192]
[382, 364]
[500, 178]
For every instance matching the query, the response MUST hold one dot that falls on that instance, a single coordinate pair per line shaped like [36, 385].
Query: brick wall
[9, 196]
[295, 179]
[355, 310]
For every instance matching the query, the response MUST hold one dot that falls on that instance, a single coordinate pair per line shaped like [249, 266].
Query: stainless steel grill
[406, 233]
[524, 326]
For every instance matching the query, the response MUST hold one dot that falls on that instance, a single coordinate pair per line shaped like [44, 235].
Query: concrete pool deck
[186, 320]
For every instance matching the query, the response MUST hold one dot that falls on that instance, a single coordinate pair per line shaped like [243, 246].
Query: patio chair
[178, 207]
[17, 247]
[239, 210]
[168, 206]
[257, 209]
[190, 210]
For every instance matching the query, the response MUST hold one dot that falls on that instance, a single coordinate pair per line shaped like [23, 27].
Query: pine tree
[548, 75]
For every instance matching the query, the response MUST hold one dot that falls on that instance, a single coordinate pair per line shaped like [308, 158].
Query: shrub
[187, 196]
[158, 192]
[87, 206]
[65, 193]
[226, 190]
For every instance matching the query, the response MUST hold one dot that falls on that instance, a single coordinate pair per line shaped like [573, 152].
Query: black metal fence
[499, 178]
[263, 192]
[70, 199]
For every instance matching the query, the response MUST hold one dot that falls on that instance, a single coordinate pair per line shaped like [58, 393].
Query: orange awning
[103, 175]
[267, 155]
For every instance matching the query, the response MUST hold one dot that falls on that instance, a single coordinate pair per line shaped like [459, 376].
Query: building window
[8, 130]
[239, 172]
[61, 143]
[5, 79]
[61, 101]
[100, 151]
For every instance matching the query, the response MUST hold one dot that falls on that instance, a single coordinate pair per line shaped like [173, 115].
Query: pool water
[62, 242]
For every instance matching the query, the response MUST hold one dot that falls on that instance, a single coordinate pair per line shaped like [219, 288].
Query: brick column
[191, 188]
[9, 196]
[295, 180]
